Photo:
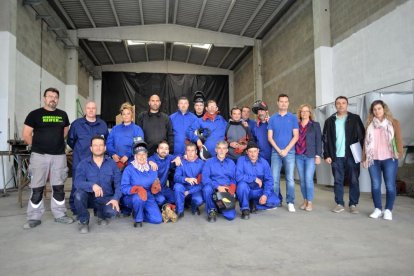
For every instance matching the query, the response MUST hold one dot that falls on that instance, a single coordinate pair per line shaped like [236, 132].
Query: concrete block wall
[288, 58]
[38, 44]
[83, 82]
[243, 83]
[350, 16]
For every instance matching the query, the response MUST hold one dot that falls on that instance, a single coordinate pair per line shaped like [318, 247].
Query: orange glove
[142, 193]
[232, 189]
[199, 178]
[120, 165]
[156, 186]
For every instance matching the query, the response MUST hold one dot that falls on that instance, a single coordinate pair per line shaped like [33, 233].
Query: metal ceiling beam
[188, 54]
[200, 16]
[107, 52]
[175, 11]
[90, 52]
[258, 8]
[114, 12]
[63, 12]
[207, 55]
[237, 58]
[141, 12]
[271, 17]
[166, 33]
[225, 56]
[171, 51]
[165, 51]
[127, 50]
[85, 8]
[233, 2]
[146, 51]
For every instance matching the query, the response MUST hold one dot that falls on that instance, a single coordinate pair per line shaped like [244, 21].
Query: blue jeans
[306, 170]
[388, 168]
[346, 166]
[288, 162]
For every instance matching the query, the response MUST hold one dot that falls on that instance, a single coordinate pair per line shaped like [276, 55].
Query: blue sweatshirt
[79, 137]
[132, 177]
[164, 166]
[217, 173]
[188, 169]
[259, 134]
[217, 130]
[248, 172]
[180, 123]
[121, 140]
[108, 177]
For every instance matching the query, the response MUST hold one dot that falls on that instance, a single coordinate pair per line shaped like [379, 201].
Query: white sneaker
[291, 207]
[387, 214]
[376, 214]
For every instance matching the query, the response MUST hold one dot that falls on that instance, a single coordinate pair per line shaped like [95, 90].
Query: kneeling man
[97, 184]
[219, 175]
[187, 180]
[254, 182]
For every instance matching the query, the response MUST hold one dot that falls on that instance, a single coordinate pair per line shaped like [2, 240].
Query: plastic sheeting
[136, 88]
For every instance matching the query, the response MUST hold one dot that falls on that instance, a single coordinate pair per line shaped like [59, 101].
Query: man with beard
[156, 125]
[79, 139]
[45, 130]
[259, 130]
[98, 186]
[163, 163]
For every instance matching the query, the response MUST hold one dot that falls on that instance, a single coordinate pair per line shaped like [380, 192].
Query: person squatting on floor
[45, 129]
[218, 175]
[162, 162]
[383, 147]
[254, 182]
[80, 134]
[139, 184]
[98, 186]
[187, 180]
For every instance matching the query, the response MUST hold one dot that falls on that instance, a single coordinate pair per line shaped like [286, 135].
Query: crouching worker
[219, 176]
[187, 180]
[139, 184]
[98, 186]
[254, 183]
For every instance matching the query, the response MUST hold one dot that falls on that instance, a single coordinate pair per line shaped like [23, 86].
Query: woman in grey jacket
[308, 153]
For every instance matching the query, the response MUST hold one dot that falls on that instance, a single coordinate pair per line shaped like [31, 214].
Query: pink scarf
[369, 138]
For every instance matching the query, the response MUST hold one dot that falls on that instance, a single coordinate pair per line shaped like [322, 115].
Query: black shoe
[245, 214]
[196, 211]
[31, 223]
[181, 215]
[212, 216]
[137, 223]
[102, 221]
[252, 206]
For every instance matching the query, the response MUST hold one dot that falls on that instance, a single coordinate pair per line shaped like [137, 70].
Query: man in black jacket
[156, 125]
[341, 130]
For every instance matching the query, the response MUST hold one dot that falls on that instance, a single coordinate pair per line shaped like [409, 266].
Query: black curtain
[136, 88]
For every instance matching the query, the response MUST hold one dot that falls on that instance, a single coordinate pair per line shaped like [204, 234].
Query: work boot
[181, 215]
[137, 223]
[102, 221]
[83, 228]
[196, 210]
[245, 214]
[212, 216]
[252, 206]
[31, 223]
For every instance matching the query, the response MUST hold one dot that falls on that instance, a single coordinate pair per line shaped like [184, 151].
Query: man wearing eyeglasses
[45, 130]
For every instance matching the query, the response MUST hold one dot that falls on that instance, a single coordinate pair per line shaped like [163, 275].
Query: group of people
[183, 160]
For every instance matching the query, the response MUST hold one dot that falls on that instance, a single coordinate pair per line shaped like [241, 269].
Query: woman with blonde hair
[308, 153]
[383, 147]
[121, 138]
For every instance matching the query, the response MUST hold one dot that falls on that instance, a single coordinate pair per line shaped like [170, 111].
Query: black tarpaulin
[120, 87]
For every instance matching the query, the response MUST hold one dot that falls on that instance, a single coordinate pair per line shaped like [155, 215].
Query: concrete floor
[273, 242]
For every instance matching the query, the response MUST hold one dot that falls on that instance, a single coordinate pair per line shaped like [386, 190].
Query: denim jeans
[306, 169]
[346, 166]
[388, 168]
[288, 162]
